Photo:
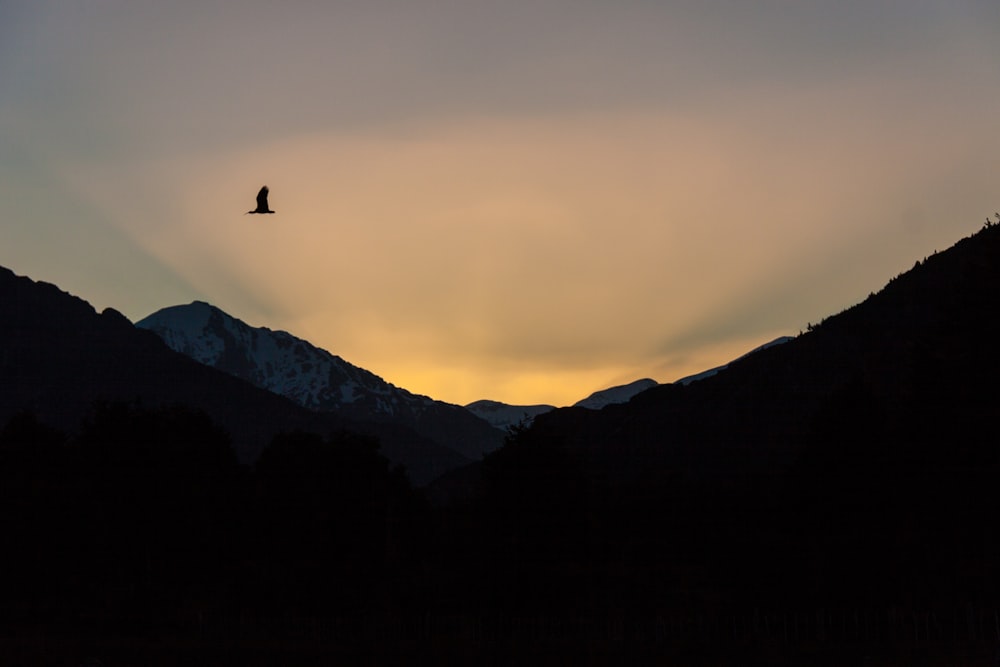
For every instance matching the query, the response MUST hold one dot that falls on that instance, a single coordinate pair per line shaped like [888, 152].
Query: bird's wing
[262, 199]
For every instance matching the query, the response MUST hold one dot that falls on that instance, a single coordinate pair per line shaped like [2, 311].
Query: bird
[261, 202]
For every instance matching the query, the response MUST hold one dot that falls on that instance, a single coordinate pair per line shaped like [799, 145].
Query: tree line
[143, 521]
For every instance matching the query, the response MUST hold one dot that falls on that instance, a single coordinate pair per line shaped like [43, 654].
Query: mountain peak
[313, 377]
[274, 360]
[619, 394]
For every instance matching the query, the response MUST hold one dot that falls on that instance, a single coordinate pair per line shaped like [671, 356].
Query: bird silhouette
[261, 202]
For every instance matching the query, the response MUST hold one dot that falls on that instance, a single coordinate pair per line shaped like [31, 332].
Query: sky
[517, 201]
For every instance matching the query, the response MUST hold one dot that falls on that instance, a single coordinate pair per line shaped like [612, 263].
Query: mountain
[831, 498]
[58, 357]
[853, 466]
[504, 416]
[712, 371]
[314, 378]
[920, 351]
[619, 394]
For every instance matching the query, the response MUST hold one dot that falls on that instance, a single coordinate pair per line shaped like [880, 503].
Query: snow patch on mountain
[311, 376]
[620, 394]
[274, 360]
[712, 371]
[504, 416]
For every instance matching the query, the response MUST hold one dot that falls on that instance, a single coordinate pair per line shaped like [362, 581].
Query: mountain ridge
[851, 469]
[853, 466]
[505, 416]
[314, 377]
[59, 357]
[928, 322]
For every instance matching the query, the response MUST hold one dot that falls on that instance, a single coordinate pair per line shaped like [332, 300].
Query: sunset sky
[521, 201]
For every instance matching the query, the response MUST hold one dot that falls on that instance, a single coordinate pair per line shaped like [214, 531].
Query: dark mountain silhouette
[922, 352]
[853, 465]
[314, 378]
[58, 356]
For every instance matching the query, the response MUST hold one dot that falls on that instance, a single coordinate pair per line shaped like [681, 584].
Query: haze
[518, 201]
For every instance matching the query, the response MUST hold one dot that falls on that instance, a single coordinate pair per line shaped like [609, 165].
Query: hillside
[314, 378]
[921, 354]
[852, 465]
[823, 501]
[59, 356]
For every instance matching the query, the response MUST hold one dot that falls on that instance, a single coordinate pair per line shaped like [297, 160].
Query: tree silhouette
[328, 509]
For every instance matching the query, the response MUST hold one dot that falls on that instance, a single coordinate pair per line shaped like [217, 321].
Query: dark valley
[829, 500]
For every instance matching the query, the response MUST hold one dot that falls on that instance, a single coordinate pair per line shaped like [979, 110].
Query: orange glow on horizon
[476, 206]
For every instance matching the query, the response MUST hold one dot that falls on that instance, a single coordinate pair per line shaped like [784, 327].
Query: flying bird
[261, 202]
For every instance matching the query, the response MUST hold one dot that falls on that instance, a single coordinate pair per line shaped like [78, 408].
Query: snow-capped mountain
[620, 394]
[274, 360]
[504, 416]
[712, 371]
[313, 377]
